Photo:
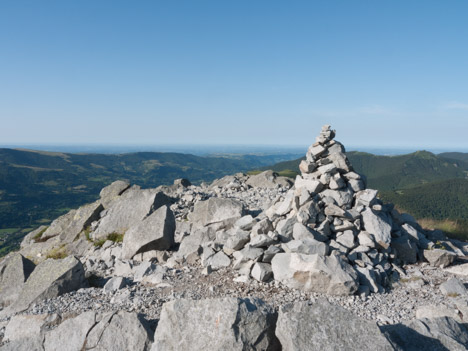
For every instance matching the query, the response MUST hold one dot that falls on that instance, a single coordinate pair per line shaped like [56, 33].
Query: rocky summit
[248, 262]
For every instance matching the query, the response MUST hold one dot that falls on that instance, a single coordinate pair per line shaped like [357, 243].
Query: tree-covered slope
[447, 199]
[396, 172]
[431, 187]
[460, 156]
[405, 171]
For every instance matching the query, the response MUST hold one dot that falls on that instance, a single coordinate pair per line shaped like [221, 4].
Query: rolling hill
[396, 172]
[38, 186]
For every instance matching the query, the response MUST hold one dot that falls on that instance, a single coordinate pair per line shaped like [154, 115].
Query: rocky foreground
[245, 263]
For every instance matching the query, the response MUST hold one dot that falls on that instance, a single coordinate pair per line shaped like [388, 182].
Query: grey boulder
[219, 324]
[322, 274]
[14, 271]
[129, 210]
[378, 226]
[71, 334]
[439, 258]
[120, 331]
[223, 212]
[268, 179]
[50, 279]
[70, 225]
[322, 326]
[453, 287]
[112, 192]
[156, 232]
[114, 284]
[436, 334]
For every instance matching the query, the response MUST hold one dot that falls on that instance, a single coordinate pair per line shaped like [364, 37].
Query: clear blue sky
[383, 73]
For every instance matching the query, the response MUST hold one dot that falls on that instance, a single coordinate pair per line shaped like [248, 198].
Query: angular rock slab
[322, 274]
[14, 272]
[26, 332]
[71, 334]
[50, 279]
[216, 211]
[322, 326]
[70, 225]
[436, 334]
[112, 192]
[218, 324]
[439, 258]
[120, 331]
[377, 226]
[156, 232]
[129, 210]
[268, 179]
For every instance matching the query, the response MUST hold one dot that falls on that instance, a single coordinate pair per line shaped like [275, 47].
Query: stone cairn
[328, 234]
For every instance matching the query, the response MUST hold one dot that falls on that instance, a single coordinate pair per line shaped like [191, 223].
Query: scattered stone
[114, 284]
[453, 288]
[262, 272]
[439, 258]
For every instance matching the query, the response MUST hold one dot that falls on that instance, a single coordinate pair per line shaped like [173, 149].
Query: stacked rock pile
[328, 234]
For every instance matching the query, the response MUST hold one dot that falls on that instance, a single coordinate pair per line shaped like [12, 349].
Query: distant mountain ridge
[37, 186]
[429, 186]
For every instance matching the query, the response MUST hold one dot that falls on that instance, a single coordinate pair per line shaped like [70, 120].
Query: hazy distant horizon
[213, 149]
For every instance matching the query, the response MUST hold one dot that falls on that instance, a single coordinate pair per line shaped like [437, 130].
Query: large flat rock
[216, 211]
[322, 326]
[322, 274]
[268, 179]
[51, 278]
[70, 225]
[435, 334]
[218, 324]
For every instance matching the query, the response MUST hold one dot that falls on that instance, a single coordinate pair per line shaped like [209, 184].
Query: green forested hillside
[396, 172]
[36, 186]
[430, 187]
[461, 156]
[447, 199]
